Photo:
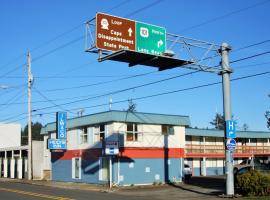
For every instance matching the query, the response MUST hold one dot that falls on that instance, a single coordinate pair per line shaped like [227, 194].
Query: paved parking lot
[196, 188]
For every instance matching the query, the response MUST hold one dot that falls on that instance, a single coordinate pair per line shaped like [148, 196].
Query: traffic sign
[114, 33]
[230, 129]
[231, 144]
[150, 39]
[61, 118]
[57, 144]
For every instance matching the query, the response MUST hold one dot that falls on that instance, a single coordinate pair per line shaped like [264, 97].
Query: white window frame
[97, 132]
[74, 167]
[134, 132]
[167, 130]
[100, 171]
[84, 135]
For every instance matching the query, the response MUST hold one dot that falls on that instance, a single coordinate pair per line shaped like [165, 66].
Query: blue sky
[62, 62]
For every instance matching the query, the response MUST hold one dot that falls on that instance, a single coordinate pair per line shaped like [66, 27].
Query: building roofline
[220, 133]
[121, 116]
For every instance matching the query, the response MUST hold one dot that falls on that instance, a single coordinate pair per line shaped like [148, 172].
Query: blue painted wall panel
[139, 175]
[62, 171]
[214, 171]
[196, 171]
[90, 171]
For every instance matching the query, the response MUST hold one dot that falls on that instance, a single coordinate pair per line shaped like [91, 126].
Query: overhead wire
[159, 94]
[224, 16]
[86, 97]
[50, 41]
[99, 83]
[52, 102]
[147, 84]
[135, 13]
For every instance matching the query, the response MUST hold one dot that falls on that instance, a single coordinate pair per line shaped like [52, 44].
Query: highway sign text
[114, 33]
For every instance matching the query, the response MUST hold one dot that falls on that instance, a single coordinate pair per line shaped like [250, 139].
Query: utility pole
[30, 82]
[226, 71]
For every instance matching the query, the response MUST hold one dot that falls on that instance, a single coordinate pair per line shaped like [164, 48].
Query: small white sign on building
[111, 148]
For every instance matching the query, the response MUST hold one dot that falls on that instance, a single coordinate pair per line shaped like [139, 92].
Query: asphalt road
[197, 188]
[19, 191]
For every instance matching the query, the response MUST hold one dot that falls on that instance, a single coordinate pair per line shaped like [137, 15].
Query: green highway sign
[150, 39]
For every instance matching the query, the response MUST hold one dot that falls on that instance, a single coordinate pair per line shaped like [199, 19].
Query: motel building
[204, 149]
[148, 148]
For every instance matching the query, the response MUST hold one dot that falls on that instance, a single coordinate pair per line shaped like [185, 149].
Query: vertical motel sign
[61, 125]
[115, 33]
[60, 143]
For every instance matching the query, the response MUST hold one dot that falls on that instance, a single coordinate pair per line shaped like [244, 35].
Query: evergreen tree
[218, 121]
[36, 127]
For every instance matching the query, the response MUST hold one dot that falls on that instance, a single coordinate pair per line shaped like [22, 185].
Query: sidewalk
[56, 184]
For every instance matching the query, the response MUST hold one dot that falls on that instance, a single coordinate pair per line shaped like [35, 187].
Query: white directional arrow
[159, 43]
[130, 32]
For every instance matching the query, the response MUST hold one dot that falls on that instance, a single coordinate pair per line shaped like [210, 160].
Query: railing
[217, 149]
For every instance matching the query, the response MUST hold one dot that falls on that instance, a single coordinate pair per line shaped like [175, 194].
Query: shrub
[253, 183]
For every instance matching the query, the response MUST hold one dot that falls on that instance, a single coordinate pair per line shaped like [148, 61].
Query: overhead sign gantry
[136, 43]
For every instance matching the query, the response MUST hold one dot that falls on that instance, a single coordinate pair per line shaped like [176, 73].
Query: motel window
[84, 135]
[99, 133]
[188, 138]
[167, 130]
[132, 132]
[253, 140]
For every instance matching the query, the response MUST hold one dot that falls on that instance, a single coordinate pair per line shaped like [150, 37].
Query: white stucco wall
[10, 135]
[38, 155]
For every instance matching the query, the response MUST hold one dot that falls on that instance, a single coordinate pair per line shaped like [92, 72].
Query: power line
[162, 80]
[57, 37]
[78, 97]
[249, 57]
[117, 6]
[251, 45]
[144, 8]
[99, 83]
[151, 83]
[224, 16]
[158, 94]
[252, 65]
[48, 100]
[120, 91]
[58, 48]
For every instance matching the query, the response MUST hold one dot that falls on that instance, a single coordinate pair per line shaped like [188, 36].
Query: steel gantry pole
[29, 84]
[226, 71]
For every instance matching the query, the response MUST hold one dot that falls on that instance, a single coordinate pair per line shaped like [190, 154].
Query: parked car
[187, 172]
[247, 163]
